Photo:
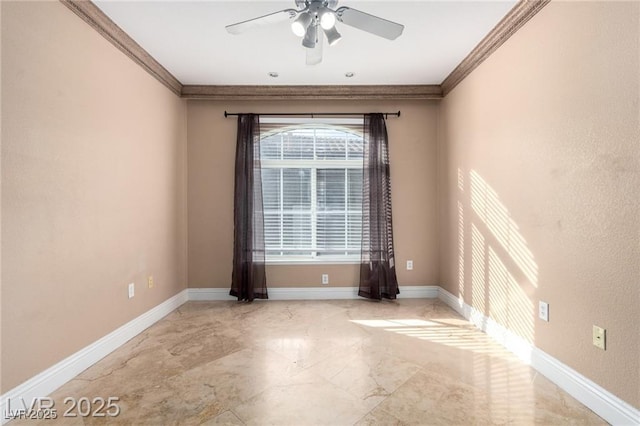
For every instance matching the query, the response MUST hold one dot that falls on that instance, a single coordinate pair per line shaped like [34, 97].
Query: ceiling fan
[313, 18]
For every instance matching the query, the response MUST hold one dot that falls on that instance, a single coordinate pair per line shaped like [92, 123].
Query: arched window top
[311, 142]
[269, 129]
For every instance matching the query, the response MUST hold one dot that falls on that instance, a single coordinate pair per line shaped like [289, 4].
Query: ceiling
[189, 39]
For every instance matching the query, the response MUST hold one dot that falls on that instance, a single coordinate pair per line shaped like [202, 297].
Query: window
[312, 193]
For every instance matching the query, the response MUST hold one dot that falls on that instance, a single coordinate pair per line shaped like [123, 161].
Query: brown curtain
[249, 279]
[377, 269]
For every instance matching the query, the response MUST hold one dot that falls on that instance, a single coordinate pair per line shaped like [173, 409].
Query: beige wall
[539, 187]
[93, 188]
[412, 140]
[537, 159]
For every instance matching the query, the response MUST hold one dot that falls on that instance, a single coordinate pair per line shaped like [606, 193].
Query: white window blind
[312, 192]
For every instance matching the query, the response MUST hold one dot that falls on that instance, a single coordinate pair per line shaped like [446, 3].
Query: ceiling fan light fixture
[333, 36]
[310, 16]
[309, 40]
[327, 19]
[300, 25]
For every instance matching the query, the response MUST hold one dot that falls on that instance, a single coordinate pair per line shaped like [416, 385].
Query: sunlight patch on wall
[478, 282]
[460, 250]
[509, 305]
[487, 205]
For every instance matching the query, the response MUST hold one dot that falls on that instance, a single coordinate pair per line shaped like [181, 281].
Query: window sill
[290, 262]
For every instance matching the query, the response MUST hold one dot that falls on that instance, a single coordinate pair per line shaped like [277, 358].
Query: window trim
[313, 165]
[292, 260]
[308, 120]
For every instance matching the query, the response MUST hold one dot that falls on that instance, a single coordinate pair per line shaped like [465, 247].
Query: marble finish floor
[343, 362]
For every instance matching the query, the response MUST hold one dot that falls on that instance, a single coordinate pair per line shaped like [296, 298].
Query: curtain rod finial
[398, 113]
[225, 114]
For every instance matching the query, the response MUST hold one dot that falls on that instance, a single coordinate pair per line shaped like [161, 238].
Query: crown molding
[516, 18]
[97, 19]
[374, 92]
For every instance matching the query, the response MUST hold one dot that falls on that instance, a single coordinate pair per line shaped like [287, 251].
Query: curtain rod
[313, 114]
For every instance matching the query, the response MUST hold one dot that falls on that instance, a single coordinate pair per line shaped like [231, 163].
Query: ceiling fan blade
[369, 23]
[271, 18]
[314, 56]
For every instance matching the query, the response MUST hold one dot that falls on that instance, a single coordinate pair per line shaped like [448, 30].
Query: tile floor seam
[385, 398]
[237, 416]
[280, 368]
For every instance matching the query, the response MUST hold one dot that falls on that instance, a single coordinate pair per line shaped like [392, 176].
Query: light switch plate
[132, 290]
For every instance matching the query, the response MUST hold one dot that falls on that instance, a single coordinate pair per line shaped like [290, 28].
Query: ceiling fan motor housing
[301, 4]
[315, 19]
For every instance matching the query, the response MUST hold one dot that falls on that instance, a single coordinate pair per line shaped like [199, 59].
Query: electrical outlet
[325, 279]
[543, 311]
[132, 290]
[409, 265]
[599, 337]
[150, 281]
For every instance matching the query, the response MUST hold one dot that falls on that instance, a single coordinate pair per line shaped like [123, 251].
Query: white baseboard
[208, 294]
[419, 292]
[598, 399]
[514, 343]
[52, 378]
[595, 397]
[312, 293]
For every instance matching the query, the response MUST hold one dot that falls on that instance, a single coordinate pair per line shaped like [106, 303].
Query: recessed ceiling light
[273, 74]
[349, 74]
